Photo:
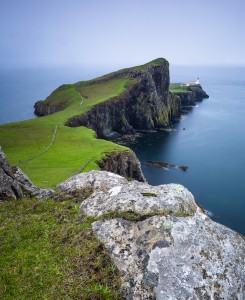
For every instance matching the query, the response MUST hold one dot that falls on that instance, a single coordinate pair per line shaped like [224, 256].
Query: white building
[191, 82]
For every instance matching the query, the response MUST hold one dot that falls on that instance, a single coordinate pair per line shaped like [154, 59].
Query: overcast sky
[121, 32]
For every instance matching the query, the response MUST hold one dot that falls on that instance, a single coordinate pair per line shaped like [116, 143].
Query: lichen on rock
[173, 251]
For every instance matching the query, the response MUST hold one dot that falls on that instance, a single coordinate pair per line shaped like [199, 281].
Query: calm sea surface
[212, 144]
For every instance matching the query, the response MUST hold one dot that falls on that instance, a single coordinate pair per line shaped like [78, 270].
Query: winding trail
[46, 149]
[53, 140]
[83, 166]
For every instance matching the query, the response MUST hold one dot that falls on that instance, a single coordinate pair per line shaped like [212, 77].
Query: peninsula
[79, 120]
[98, 235]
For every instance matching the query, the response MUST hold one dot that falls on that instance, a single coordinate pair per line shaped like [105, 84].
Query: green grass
[48, 251]
[72, 147]
[177, 88]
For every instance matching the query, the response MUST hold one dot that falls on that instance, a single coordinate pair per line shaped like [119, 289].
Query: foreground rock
[173, 251]
[15, 184]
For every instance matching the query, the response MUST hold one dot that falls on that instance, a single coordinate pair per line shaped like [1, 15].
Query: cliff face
[123, 163]
[194, 93]
[58, 100]
[43, 109]
[163, 244]
[145, 105]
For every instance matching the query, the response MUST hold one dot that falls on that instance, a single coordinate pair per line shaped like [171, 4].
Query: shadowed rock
[15, 184]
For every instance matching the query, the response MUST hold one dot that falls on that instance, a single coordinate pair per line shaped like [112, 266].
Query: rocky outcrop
[163, 244]
[15, 184]
[191, 95]
[43, 109]
[145, 105]
[123, 163]
[57, 101]
[9, 186]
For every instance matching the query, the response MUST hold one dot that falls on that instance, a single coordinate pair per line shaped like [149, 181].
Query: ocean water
[212, 144]
[20, 88]
[209, 140]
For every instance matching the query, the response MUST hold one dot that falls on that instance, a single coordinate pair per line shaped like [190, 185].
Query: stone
[9, 187]
[15, 184]
[113, 193]
[174, 251]
[186, 258]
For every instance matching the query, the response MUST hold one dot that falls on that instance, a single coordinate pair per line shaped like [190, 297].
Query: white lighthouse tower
[197, 81]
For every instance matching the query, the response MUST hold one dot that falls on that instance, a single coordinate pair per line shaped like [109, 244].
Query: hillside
[48, 151]
[64, 141]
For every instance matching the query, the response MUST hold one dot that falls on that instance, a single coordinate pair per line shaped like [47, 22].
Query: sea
[209, 138]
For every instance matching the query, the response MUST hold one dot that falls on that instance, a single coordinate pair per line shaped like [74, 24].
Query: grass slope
[48, 251]
[72, 147]
[178, 88]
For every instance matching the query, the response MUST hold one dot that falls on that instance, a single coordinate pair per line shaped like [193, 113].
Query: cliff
[121, 103]
[145, 105]
[188, 95]
[58, 100]
[164, 246]
[122, 163]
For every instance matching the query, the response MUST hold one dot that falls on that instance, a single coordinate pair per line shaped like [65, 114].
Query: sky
[121, 32]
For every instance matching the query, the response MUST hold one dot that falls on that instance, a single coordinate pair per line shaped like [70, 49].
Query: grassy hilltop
[72, 147]
[47, 150]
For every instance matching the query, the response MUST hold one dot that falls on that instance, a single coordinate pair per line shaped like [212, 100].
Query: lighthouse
[197, 81]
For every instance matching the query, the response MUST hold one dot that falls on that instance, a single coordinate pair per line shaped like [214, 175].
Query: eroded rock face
[123, 163]
[174, 252]
[145, 105]
[15, 184]
[195, 93]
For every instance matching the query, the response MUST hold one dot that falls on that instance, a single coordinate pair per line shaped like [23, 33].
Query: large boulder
[172, 250]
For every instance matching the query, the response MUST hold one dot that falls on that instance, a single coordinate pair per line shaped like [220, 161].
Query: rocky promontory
[163, 244]
[188, 95]
[145, 105]
[144, 102]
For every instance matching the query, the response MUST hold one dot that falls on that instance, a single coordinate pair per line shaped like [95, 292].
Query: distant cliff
[188, 95]
[145, 105]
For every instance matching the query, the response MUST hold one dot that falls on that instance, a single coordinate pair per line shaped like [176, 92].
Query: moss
[135, 217]
[78, 195]
[149, 194]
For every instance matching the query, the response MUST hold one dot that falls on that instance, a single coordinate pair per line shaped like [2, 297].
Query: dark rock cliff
[145, 105]
[43, 109]
[58, 100]
[123, 163]
[193, 93]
